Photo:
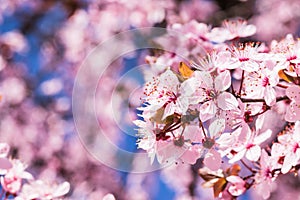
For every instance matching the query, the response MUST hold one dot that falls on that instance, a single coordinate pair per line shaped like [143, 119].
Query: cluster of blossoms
[41, 49]
[217, 108]
[42, 45]
[13, 175]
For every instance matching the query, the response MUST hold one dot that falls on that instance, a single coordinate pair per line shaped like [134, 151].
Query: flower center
[265, 81]
[249, 146]
[291, 58]
[243, 59]
[268, 173]
[295, 147]
[211, 94]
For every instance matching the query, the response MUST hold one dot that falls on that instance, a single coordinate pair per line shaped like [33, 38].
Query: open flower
[239, 28]
[231, 29]
[265, 178]
[291, 144]
[180, 146]
[166, 92]
[261, 83]
[41, 190]
[12, 180]
[212, 93]
[245, 57]
[237, 185]
[249, 144]
[212, 158]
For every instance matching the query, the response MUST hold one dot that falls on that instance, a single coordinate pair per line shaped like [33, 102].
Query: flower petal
[205, 78]
[293, 92]
[4, 149]
[190, 156]
[288, 162]
[212, 160]
[207, 111]
[223, 81]
[62, 189]
[238, 156]
[293, 112]
[262, 137]
[216, 128]
[270, 96]
[227, 101]
[169, 80]
[253, 153]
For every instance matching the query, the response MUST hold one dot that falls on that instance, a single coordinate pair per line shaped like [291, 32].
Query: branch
[262, 100]
[241, 85]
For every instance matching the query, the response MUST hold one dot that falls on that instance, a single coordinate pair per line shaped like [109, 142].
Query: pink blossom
[15, 90]
[291, 143]
[245, 57]
[12, 180]
[231, 29]
[242, 114]
[286, 17]
[147, 137]
[212, 158]
[248, 144]
[261, 83]
[239, 28]
[40, 190]
[212, 61]
[15, 40]
[265, 178]
[194, 9]
[237, 185]
[212, 93]
[165, 91]
[180, 147]
[286, 53]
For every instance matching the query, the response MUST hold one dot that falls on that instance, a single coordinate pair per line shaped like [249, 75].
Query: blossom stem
[247, 177]
[201, 125]
[173, 134]
[241, 85]
[282, 86]
[171, 127]
[174, 128]
[247, 166]
[296, 168]
[260, 113]
[232, 90]
[249, 185]
[182, 131]
[262, 100]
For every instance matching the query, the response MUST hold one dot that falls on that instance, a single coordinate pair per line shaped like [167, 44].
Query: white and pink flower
[211, 92]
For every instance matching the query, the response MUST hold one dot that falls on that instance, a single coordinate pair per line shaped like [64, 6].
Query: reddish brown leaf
[219, 186]
[285, 76]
